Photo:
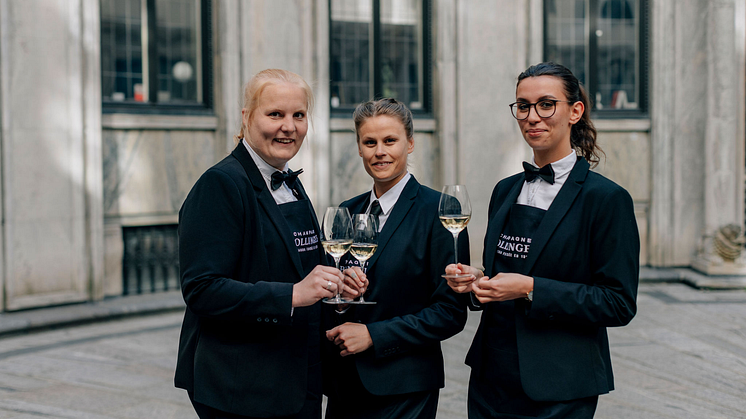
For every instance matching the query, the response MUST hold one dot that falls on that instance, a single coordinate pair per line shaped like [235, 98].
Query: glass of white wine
[336, 238]
[454, 211]
[364, 243]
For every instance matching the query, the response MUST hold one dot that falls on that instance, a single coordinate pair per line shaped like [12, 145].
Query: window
[379, 48]
[155, 55]
[603, 43]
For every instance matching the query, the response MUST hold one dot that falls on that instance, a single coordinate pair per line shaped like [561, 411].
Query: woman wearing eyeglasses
[561, 258]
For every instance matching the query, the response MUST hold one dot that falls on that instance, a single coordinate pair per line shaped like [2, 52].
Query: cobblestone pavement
[684, 356]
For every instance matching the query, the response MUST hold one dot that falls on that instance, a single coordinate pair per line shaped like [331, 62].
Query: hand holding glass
[364, 243]
[336, 238]
[454, 211]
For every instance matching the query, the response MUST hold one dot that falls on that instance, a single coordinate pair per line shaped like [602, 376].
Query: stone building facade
[82, 175]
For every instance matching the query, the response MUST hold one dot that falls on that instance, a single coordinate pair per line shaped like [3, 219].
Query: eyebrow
[520, 99]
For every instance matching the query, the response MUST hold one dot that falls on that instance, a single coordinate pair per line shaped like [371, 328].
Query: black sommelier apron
[300, 218]
[497, 389]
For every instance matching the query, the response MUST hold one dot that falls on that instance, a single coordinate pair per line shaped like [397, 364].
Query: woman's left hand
[502, 287]
[356, 280]
[351, 338]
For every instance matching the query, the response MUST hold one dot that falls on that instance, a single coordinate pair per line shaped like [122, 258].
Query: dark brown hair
[583, 133]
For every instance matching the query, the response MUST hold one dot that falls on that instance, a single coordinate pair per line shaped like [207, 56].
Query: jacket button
[259, 319]
[274, 320]
[266, 319]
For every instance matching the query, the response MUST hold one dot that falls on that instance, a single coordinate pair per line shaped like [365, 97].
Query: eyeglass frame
[530, 105]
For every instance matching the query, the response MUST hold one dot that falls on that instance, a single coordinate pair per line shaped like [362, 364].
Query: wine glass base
[455, 276]
[336, 300]
[360, 303]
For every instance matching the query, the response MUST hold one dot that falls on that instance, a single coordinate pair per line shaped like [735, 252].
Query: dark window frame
[427, 53]
[152, 106]
[592, 64]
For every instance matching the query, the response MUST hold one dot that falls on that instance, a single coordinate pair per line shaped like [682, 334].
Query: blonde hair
[260, 81]
[386, 106]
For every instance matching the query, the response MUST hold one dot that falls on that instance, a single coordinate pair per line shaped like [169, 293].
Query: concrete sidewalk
[117, 307]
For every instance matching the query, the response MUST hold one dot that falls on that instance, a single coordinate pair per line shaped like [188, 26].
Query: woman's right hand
[322, 282]
[462, 284]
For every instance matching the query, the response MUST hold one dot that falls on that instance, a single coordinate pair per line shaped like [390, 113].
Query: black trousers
[353, 401]
[311, 410]
[486, 400]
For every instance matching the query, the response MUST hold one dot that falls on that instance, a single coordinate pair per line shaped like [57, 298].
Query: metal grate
[151, 259]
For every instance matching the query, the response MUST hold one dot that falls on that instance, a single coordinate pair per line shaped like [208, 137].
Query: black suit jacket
[240, 349]
[584, 259]
[415, 308]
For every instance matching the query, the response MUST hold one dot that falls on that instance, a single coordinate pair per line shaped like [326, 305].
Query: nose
[288, 124]
[380, 149]
[533, 117]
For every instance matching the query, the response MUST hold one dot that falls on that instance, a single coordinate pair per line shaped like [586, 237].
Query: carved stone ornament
[728, 242]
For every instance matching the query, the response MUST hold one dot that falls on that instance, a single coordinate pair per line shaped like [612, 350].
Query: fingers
[355, 278]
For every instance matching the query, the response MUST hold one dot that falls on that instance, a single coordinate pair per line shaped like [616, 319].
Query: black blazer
[415, 308]
[240, 349]
[584, 258]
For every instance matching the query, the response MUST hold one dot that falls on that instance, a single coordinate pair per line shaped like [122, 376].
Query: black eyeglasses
[544, 108]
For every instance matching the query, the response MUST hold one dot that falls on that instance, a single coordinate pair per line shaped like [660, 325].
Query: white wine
[455, 223]
[363, 251]
[336, 248]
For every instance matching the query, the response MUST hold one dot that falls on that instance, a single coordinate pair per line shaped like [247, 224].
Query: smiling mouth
[381, 164]
[284, 140]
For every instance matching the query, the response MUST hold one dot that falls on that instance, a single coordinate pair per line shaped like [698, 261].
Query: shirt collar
[563, 166]
[388, 199]
[265, 168]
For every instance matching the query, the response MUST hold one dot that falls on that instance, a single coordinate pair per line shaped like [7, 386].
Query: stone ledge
[692, 278]
[72, 314]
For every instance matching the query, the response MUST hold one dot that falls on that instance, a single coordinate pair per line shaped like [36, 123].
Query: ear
[359, 148]
[410, 145]
[576, 112]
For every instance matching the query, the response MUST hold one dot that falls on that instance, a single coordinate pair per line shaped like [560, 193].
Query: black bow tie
[289, 178]
[532, 172]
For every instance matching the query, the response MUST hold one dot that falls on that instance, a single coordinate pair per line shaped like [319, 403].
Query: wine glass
[454, 211]
[336, 238]
[364, 243]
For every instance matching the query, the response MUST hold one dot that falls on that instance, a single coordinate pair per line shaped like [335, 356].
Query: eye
[546, 105]
[523, 107]
[299, 115]
[274, 114]
[390, 140]
[369, 143]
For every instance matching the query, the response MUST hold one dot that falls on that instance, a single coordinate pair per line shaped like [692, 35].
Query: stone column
[724, 136]
[51, 152]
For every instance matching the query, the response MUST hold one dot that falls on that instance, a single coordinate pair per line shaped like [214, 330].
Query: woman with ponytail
[561, 259]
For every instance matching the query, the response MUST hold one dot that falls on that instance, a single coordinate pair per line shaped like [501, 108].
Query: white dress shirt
[388, 199]
[540, 193]
[283, 194]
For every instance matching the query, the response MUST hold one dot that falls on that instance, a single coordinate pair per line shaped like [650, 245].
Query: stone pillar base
[715, 265]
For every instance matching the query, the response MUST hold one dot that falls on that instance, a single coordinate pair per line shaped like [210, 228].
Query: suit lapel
[497, 224]
[267, 202]
[557, 211]
[398, 213]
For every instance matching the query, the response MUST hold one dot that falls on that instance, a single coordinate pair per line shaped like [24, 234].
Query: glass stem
[362, 299]
[339, 291]
[455, 248]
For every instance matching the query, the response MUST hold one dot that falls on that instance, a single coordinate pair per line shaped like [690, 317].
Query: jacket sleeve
[609, 299]
[212, 234]
[444, 317]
